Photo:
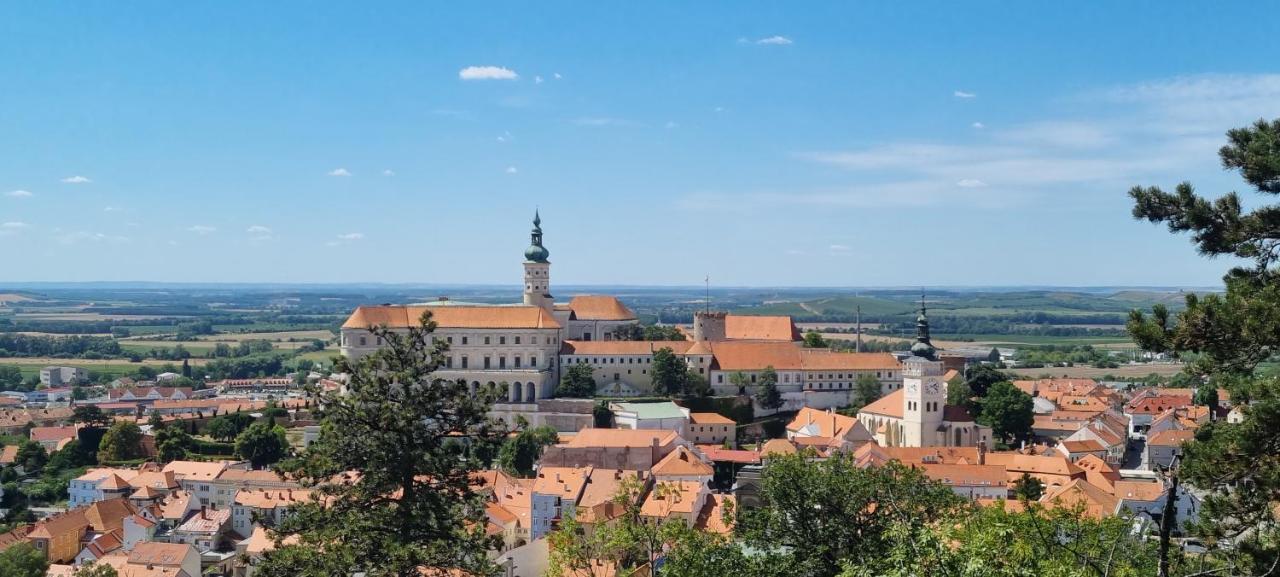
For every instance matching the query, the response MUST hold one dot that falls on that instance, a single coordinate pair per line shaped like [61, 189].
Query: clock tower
[924, 391]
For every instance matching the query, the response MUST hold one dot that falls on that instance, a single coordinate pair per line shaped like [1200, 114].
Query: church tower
[924, 392]
[537, 269]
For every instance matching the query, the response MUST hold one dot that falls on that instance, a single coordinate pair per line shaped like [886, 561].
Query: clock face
[913, 388]
[933, 388]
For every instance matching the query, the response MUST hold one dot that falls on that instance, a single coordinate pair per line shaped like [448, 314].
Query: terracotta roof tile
[453, 316]
[682, 463]
[599, 308]
[760, 328]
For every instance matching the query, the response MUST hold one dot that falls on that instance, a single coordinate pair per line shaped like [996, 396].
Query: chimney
[982, 453]
[203, 512]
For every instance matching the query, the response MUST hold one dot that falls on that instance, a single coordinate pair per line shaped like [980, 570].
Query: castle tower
[924, 392]
[537, 269]
[709, 325]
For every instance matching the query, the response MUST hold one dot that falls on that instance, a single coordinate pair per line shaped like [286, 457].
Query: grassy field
[32, 366]
[1083, 372]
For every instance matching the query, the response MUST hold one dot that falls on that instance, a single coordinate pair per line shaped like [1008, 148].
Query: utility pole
[857, 348]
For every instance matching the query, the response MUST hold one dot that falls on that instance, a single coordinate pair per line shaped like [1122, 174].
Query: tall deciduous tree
[767, 395]
[831, 512]
[395, 500]
[262, 444]
[866, 390]
[578, 382]
[521, 452]
[121, 442]
[1008, 411]
[23, 560]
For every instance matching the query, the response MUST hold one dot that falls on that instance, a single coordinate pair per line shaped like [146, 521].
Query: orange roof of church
[599, 308]
[760, 328]
[453, 316]
[830, 424]
[592, 437]
[889, 405]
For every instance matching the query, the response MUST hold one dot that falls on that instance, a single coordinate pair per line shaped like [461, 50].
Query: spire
[857, 348]
[536, 252]
[923, 348]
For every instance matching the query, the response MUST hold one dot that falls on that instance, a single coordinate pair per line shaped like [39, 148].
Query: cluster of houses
[182, 519]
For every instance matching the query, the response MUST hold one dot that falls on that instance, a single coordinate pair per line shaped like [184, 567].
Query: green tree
[815, 340]
[767, 394]
[186, 368]
[32, 456]
[221, 429]
[521, 452]
[1207, 396]
[601, 416]
[668, 372]
[981, 377]
[90, 415]
[172, 444]
[92, 569]
[10, 376]
[262, 444]
[410, 504]
[578, 382]
[121, 442]
[991, 541]
[866, 390]
[23, 560]
[739, 379]
[1028, 488]
[1225, 336]
[830, 512]
[1008, 411]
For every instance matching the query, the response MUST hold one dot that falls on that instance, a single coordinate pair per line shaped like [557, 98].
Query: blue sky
[828, 144]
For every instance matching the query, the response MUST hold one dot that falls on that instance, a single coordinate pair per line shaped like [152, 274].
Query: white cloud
[79, 236]
[339, 172]
[201, 229]
[13, 225]
[388, 172]
[351, 236]
[774, 41]
[719, 109]
[970, 183]
[978, 125]
[601, 121]
[76, 180]
[672, 124]
[839, 248]
[19, 194]
[795, 252]
[557, 76]
[537, 80]
[512, 170]
[487, 73]
[963, 94]
[258, 229]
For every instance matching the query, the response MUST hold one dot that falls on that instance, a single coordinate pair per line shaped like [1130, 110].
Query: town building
[59, 376]
[917, 415]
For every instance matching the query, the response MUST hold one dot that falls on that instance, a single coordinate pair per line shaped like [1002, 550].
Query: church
[917, 415]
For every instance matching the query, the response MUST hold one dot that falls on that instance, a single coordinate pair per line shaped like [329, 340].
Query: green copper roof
[536, 252]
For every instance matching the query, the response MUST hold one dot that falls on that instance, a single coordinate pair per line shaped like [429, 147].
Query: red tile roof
[453, 316]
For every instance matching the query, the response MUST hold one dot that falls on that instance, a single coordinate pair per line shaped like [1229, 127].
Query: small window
[464, 340]
[486, 340]
[363, 341]
[517, 339]
[502, 340]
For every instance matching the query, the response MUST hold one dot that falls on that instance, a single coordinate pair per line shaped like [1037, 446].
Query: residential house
[1163, 447]
[206, 530]
[555, 492]
[711, 429]
[975, 482]
[54, 438]
[270, 504]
